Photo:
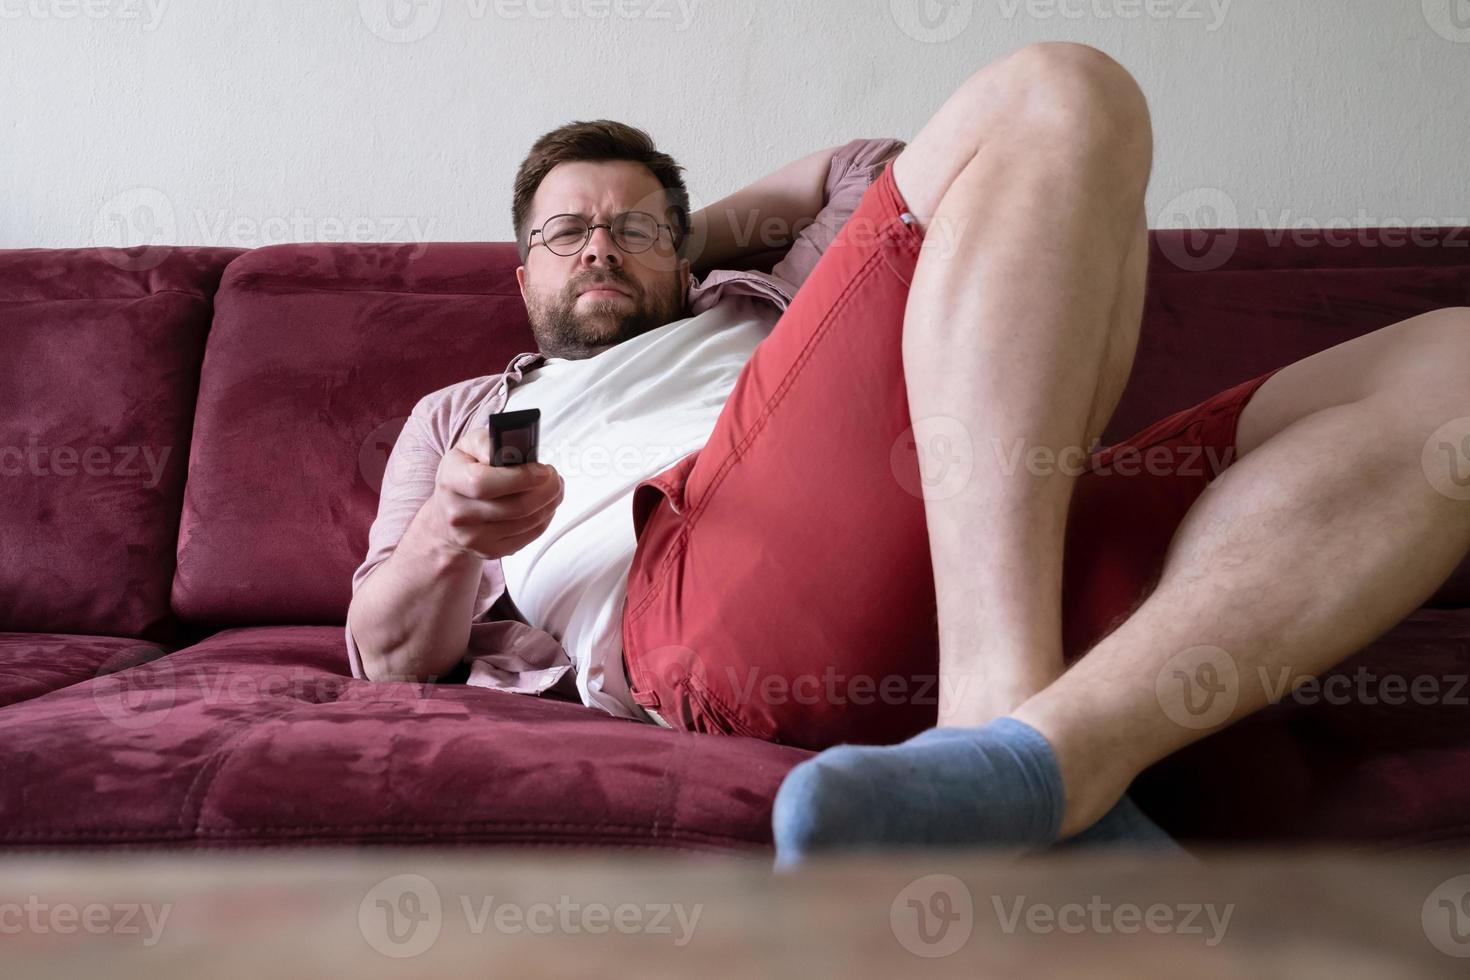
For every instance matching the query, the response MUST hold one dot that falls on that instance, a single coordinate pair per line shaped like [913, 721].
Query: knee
[1072, 91]
[1432, 362]
[1442, 336]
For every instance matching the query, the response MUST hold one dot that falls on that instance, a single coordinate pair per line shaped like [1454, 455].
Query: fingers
[468, 476]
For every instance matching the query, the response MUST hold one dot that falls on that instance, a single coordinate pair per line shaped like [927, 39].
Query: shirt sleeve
[855, 166]
[503, 652]
[408, 481]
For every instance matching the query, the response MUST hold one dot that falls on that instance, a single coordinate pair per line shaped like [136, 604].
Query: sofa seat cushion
[1377, 750]
[33, 664]
[97, 385]
[258, 736]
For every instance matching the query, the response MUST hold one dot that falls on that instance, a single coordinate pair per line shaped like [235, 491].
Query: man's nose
[600, 247]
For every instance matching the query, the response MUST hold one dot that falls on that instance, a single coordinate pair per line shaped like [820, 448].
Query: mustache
[582, 285]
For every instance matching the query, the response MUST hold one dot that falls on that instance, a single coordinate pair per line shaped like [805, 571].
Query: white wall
[247, 123]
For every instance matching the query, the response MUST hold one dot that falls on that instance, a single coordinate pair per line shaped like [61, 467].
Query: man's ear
[521, 281]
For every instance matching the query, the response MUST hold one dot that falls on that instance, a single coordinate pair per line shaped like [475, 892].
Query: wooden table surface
[280, 914]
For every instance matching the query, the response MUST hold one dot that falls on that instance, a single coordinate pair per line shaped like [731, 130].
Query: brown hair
[592, 142]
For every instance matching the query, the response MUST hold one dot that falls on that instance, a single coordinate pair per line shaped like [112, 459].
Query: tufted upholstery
[210, 704]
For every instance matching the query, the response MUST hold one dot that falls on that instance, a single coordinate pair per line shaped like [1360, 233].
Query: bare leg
[1326, 533]
[1021, 327]
[1021, 324]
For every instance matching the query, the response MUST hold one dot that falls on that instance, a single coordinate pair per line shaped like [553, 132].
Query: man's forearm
[765, 215]
[411, 617]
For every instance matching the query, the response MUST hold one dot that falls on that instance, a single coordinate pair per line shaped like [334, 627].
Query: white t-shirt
[608, 422]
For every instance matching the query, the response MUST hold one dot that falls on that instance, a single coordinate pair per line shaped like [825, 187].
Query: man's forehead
[608, 187]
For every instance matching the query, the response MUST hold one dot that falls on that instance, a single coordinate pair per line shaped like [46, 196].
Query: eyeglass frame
[593, 227]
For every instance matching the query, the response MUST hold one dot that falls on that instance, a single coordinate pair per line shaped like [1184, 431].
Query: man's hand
[489, 511]
[411, 617]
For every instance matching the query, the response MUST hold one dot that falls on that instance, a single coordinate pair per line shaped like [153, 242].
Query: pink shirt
[504, 651]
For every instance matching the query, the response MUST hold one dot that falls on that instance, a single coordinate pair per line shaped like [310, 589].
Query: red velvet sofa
[190, 446]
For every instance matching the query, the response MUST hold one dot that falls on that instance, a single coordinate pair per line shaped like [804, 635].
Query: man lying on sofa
[787, 513]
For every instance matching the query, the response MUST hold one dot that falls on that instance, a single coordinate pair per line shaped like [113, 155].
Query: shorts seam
[860, 276]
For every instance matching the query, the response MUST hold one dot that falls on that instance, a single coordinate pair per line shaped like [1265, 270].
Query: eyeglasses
[568, 234]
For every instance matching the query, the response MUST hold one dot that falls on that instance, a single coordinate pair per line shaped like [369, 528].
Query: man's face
[649, 288]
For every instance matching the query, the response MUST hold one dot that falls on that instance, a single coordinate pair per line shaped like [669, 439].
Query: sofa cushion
[1376, 750]
[1226, 306]
[102, 352]
[33, 664]
[258, 736]
[317, 355]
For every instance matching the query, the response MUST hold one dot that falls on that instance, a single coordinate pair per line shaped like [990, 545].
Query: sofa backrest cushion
[1226, 306]
[317, 355]
[101, 362]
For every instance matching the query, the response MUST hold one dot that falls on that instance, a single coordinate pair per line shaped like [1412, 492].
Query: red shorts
[782, 586]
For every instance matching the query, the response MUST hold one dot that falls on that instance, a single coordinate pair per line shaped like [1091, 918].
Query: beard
[567, 326]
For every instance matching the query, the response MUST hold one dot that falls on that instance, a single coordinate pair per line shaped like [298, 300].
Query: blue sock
[1125, 825]
[993, 786]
